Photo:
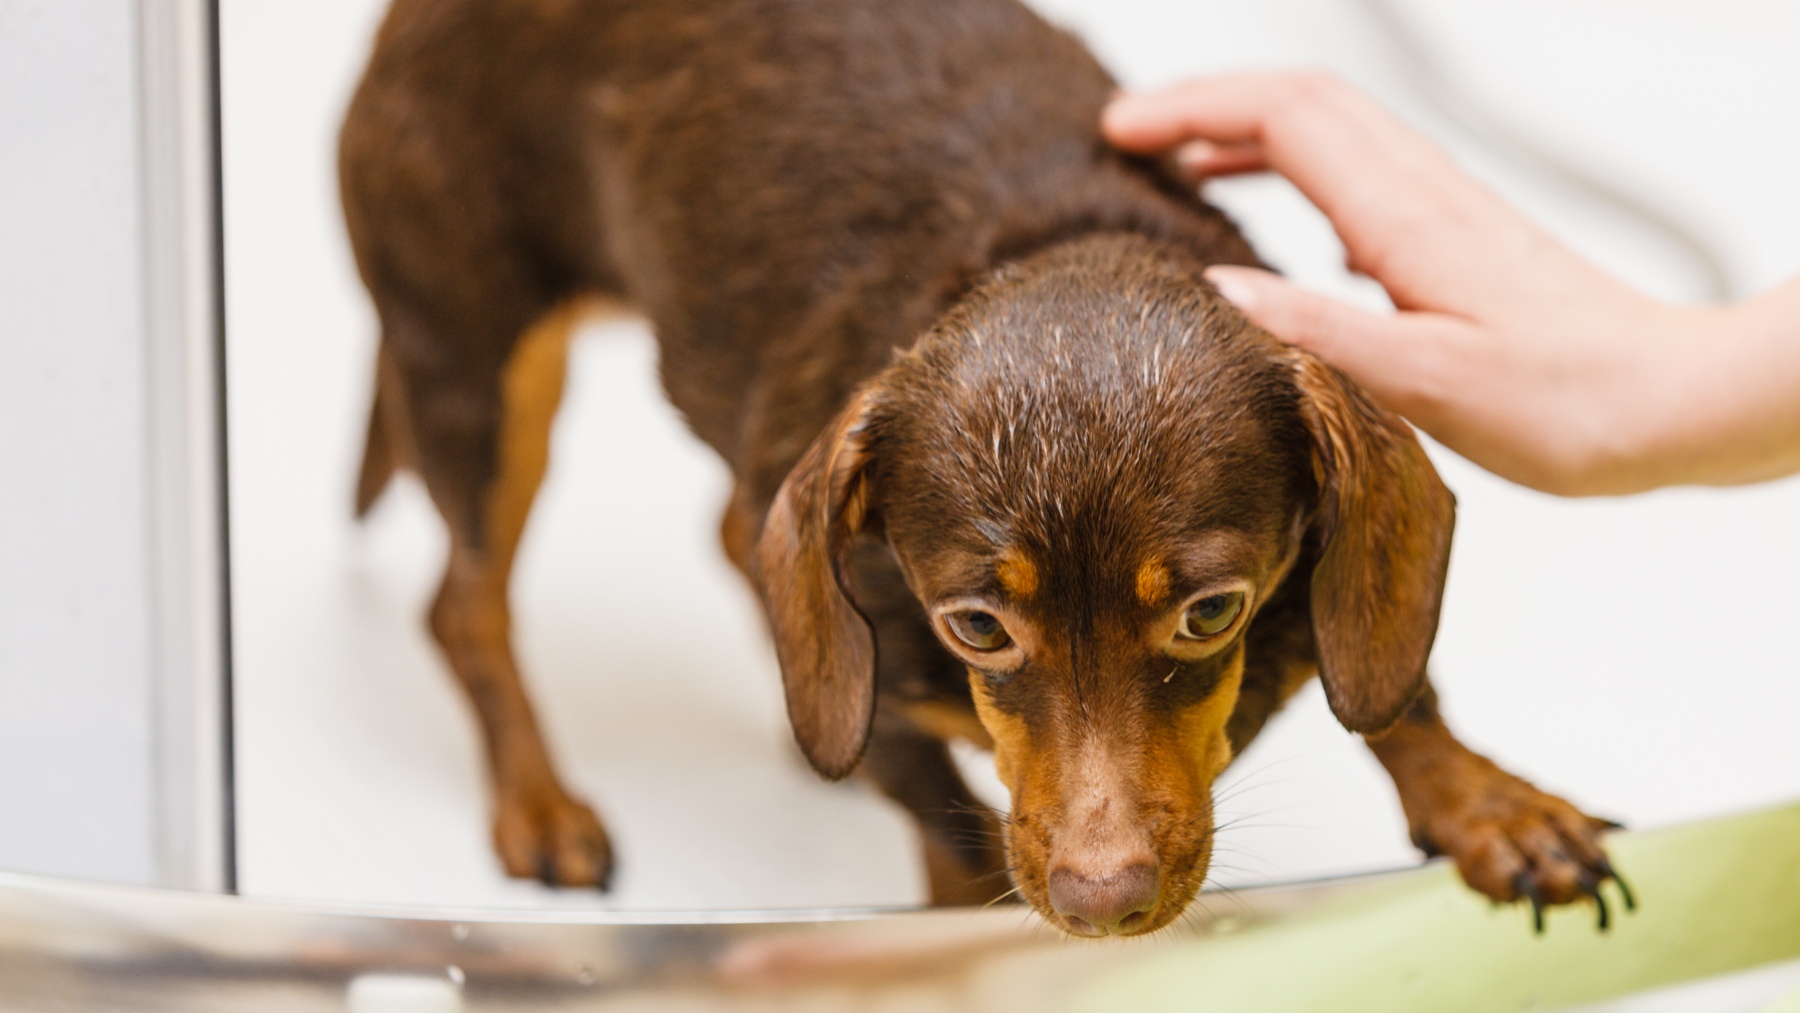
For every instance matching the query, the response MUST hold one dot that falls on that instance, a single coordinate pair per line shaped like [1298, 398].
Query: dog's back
[772, 182]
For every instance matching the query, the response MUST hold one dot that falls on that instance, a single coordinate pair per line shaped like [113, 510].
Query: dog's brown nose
[1113, 904]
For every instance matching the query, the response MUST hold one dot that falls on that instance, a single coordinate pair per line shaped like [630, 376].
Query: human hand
[1506, 346]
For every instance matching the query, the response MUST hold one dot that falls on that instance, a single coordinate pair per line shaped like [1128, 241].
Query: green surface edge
[1789, 1003]
[1713, 897]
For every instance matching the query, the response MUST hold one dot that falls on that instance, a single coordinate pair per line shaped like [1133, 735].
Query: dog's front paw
[1513, 842]
[548, 836]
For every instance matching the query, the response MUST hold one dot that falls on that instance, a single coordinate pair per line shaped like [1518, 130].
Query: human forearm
[1725, 409]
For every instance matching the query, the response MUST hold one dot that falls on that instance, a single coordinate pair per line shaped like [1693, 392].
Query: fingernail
[1112, 120]
[1123, 113]
[1231, 284]
[1195, 154]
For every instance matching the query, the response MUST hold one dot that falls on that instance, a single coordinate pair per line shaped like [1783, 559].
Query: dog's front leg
[1509, 840]
[965, 857]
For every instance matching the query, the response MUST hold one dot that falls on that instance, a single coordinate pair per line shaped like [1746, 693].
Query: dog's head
[1093, 474]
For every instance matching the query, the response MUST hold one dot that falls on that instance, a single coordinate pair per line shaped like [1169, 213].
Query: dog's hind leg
[482, 442]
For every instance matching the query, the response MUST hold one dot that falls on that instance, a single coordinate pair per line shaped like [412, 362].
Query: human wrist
[1627, 427]
[1749, 368]
[1691, 413]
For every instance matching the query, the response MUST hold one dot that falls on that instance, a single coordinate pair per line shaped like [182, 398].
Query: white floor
[1641, 656]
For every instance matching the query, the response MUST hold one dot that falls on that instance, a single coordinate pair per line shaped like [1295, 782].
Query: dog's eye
[1211, 616]
[979, 630]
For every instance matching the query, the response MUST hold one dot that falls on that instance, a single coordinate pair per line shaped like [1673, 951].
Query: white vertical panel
[75, 688]
[110, 604]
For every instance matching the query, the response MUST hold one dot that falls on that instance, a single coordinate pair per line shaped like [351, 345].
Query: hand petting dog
[1507, 347]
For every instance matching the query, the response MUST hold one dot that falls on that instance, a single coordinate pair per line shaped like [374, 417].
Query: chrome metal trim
[184, 462]
[80, 946]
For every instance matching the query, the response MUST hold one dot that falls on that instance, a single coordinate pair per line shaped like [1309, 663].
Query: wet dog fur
[962, 362]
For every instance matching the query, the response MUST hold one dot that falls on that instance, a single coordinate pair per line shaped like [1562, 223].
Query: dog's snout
[1115, 903]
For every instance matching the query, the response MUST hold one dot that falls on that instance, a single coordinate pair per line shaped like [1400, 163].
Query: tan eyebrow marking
[1152, 582]
[1017, 574]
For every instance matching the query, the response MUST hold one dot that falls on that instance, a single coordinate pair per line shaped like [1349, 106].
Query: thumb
[1386, 353]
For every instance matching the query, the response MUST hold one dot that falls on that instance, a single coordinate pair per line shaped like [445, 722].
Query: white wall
[75, 687]
[109, 579]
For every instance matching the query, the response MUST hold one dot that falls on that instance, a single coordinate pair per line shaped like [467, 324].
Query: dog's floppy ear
[1382, 530]
[825, 644]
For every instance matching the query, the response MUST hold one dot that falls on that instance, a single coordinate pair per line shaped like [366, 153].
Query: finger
[1323, 326]
[1227, 108]
[1349, 338]
[1300, 118]
[1404, 359]
[1382, 184]
[1208, 160]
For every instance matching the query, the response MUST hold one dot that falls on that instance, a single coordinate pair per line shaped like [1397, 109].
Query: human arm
[1506, 346]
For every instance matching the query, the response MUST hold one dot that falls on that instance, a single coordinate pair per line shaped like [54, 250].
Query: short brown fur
[959, 354]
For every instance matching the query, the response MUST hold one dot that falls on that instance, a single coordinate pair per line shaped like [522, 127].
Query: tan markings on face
[1011, 742]
[946, 721]
[1017, 574]
[1202, 726]
[1152, 582]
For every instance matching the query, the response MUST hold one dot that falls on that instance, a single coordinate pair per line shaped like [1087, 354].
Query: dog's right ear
[1383, 524]
[824, 642]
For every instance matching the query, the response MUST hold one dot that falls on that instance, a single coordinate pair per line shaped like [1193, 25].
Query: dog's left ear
[824, 642]
[1382, 525]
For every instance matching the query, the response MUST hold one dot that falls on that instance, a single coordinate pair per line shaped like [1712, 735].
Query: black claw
[1608, 872]
[1591, 887]
[546, 871]
[1606, 824]
[1625, 892]
[1426, 845]
[1523, 884]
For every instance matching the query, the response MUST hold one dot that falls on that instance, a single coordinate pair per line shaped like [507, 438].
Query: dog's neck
[1136, 196]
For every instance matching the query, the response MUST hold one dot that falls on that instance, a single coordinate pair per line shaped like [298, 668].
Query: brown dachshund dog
[1007, 468]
